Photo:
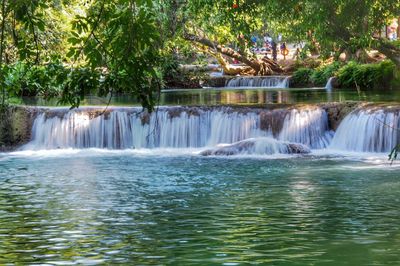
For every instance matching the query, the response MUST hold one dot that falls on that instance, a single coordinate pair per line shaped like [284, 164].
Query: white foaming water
[369, 130]
[258, 146]
[232, 127]
[261, 82]
[309, 127]
[172, 127]
[328, 85]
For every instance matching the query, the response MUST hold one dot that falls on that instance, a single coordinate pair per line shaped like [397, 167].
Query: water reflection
[242, 97]
[271, 96]
[216, 97]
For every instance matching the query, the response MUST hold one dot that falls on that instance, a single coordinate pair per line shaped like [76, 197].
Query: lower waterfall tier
[176, 127]
[368, 129]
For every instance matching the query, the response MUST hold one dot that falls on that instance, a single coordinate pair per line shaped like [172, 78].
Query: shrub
[301, 77]
[49, 81]
[78, 83]
[320, 75]
[368, 76]
[30, 80]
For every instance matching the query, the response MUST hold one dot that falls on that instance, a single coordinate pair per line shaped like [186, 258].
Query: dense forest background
[68, 49]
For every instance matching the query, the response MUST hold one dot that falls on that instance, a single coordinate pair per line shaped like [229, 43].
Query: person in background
[254, 40]
[283, 46]
[267, 47]
[267, 38]
[274, 50]
[254, 49]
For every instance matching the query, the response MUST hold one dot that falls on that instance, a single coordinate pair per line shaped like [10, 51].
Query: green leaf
[71, 53]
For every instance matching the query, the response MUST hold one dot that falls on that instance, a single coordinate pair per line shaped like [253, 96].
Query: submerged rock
[265, 145]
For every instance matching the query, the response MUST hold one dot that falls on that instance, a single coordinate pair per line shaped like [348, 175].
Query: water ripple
[197, 211]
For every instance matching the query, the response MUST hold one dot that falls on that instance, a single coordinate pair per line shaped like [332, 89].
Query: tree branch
[260, 67]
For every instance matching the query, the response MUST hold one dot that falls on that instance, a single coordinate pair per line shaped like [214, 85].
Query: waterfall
[328, 85]
[368, 130]
[260, 82]
[311, 127]
[175, 127]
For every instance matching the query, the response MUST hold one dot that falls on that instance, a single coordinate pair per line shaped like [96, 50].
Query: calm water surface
[239, 96]
[132, 209]
[271, 96]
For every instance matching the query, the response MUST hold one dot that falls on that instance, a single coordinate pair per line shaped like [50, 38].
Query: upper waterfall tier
[176, 127]
[368, 130]
[262, 82]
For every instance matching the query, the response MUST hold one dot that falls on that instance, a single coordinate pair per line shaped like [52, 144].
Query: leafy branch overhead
[132, 46]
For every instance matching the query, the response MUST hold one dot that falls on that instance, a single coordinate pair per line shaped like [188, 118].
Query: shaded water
[270, 96]
[88, 207]
[237, 96]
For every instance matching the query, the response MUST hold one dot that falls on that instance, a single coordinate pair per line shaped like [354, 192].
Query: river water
[164, 207]
[158, 202]
[240, 96]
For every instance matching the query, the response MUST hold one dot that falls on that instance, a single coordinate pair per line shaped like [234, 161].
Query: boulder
[260, 146]
[15, 126]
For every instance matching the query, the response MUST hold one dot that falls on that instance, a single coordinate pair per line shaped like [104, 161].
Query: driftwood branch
[263, 66]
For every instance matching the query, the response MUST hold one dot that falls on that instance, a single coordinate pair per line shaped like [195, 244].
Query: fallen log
[254, 66]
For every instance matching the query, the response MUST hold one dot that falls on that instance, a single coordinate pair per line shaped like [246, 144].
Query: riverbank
[381, 75]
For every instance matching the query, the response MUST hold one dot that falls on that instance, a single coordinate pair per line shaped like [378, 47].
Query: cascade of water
[174, 127]
[369, 130]
[328, 85]
[261, 82]
[309, 126]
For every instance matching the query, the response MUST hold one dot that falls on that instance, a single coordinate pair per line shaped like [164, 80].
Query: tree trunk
[398, 27]
[3, 23]
[255, 66]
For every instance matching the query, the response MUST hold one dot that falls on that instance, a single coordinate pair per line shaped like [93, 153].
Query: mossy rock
[15, 126]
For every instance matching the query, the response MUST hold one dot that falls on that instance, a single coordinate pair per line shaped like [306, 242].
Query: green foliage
[78, 83]
[130, 46]
[366, 76]
[302, 77]
[351, 75]
[70, 85]
[346, 75]
[22, 79]
[396, 43]
[119, 37]
[123, 38]
[321, 74]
